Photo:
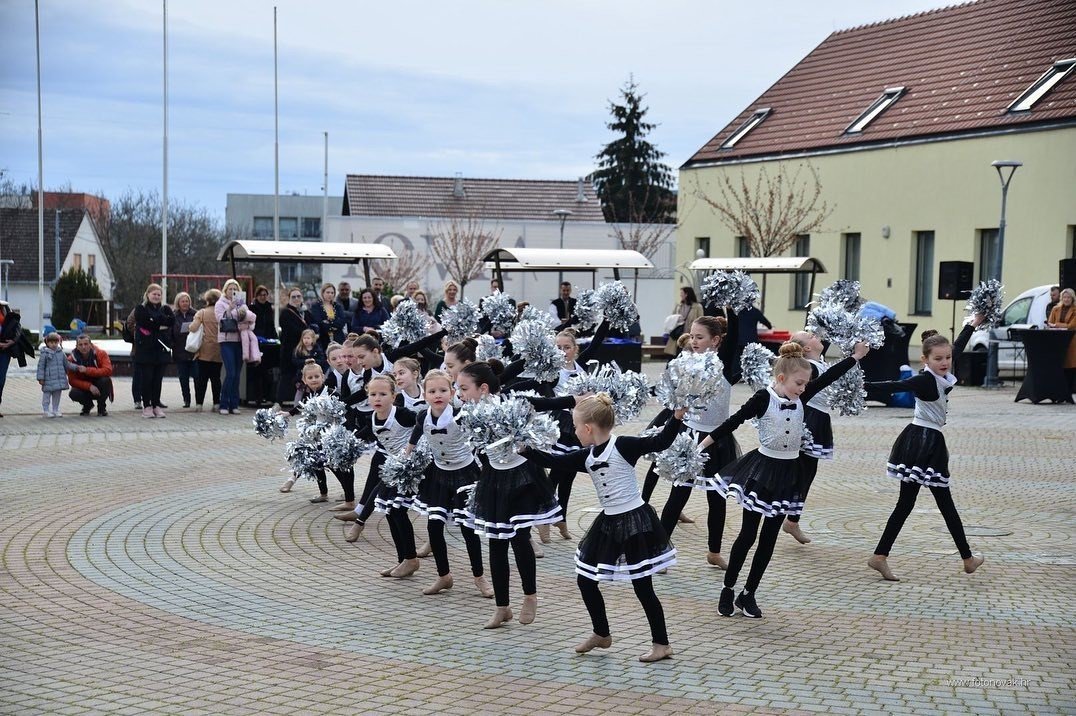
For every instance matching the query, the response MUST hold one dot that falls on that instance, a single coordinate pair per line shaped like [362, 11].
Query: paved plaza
[151, 566]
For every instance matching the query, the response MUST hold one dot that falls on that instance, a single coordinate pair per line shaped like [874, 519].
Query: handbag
[229, 325]
[194, 339]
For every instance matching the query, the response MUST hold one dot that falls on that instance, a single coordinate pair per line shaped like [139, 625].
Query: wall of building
[945, 187]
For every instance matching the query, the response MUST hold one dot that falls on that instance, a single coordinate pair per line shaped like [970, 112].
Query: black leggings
[152, 375]
[644, 592]
[402, 532]
[208, 372]
[346, 478]
[908, 492]
[525, 564]
[436, 530]
[369, 490]
[809, 468]
[564, 480]
[767, 538]
[649, 483]
[715, 513]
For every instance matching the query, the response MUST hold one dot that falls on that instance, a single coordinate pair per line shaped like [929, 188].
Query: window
[753, 121]
[312, 228]
[263, 227]
[289, 228]
[76, 262]
[702, 243]
[801, 282]
[988, 247]
[880, 105]
[1018, 312]
[850, 257]
[91, 265]
[743, 247]
[924, 272]
[1042, 85]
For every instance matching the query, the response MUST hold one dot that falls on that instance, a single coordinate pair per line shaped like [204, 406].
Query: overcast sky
[507, 88]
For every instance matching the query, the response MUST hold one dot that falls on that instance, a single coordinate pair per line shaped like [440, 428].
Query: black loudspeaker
[955, 279]
[1066, 270]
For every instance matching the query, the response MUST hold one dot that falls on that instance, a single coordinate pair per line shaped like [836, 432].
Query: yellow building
[900, 120]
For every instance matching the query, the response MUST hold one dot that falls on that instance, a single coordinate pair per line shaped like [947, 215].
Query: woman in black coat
[292, 325]
[186, 367]
[327, 318]
[153, 340]
[9, 348]
[260, 386]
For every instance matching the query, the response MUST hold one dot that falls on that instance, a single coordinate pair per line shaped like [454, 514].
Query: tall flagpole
[276, 166]
[164, 203]
[325, 200]
[40, 183]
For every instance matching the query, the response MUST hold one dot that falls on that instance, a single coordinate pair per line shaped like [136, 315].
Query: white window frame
[750, 123]
[1046, 82]
[888, 97]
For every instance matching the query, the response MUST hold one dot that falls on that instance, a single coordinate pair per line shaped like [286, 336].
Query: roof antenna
[581, 195]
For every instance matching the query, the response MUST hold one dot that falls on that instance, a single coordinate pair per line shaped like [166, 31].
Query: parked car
[1028, 310]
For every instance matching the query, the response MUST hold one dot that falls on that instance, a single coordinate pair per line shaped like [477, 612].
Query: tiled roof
[961, 68]
[491, 199]
[18, 240]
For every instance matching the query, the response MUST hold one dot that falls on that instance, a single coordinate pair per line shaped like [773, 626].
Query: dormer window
[753, 121]
[1042, 85]
[880, 105]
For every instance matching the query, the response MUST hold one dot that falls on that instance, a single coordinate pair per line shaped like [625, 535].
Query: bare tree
[460, 243]
[407, 267]
[773, 211]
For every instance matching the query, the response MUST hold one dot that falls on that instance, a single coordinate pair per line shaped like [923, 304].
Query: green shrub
[72, 285]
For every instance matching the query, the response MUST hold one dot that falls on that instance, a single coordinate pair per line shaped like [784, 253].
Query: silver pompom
[847, 394]
[407, 324]
[269, 424]
[806, 440]
[500, 311]
[730, 288]
[405, 473]
[756, 365]
[322, 410]
[488, 348]
[341, 448]
[533, 313]
[682, 461]
[305, 457]
[630, 391]
[617, 306]
[843, 292]
[500, 427]
[535, 343]
[460, 321]
[987, 298]
[689, 381]
[588, 310]
[830, 322]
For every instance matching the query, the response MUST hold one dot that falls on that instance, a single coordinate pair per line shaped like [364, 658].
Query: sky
[507, 89]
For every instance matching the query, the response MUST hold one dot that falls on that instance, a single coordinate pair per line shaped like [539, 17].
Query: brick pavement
[152, 567]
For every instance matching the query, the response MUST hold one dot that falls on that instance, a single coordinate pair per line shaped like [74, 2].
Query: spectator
[349, 302]
[394, 302]
[152, 336]
[410, 288]
[52, 375]
[1063, 316]
[230, 310]
[186, 367]
[450, 299]
[136, 367]
[1055, 298]
[747, 331]
[260, 388]
[686, 311]
[208, 357]
[10, 330]
[327, 317]
[90, 376]
[292, 325]
[371, 313]
[420, 299]
[563, 307]
[378, 285]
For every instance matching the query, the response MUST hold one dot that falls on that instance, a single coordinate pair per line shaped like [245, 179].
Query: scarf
[89, 361]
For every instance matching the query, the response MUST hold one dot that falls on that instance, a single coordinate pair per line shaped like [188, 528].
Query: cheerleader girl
[919, 456]
[307, 349]
[458, 356]
[509, 498]
[768, 481]
[407, 373]
[706, 335]
[817, 420]
[454, 467]
[626, 542]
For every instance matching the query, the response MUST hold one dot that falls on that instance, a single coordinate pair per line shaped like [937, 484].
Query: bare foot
[483, 587]
[344, 507]
[530, 608]
[879, 564]
[353, 532]
[286, 487]
[685, 519]
[594, 642]
[714, 559]
[501, 616]
[972, 563]
[424, 551]
[793, 528]
[439, 586]
[539, 553]
[543, 534]
[657, 653]
[405, 568]
[564, 533]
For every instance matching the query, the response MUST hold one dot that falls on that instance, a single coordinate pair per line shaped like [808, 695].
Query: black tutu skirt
[821, 427]
[439, 495]
[506, 501]
[389, 498]
[763, 484]
[623, 547]
[718, 455]
[920, 455]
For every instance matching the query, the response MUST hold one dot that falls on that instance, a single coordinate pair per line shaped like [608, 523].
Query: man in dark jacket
[91, 376]
[563, 307]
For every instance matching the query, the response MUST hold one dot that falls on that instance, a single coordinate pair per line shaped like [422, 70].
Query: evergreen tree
[632, 182]
[73, 284]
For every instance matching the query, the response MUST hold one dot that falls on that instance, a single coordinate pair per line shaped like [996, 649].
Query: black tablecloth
[1045, 378]
[885, 362]
[627, 354]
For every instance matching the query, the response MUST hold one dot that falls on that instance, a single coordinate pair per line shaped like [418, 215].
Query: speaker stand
[952, 323]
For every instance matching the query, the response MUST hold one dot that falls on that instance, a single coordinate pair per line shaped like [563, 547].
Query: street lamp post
[1001, 166]
[563, 215]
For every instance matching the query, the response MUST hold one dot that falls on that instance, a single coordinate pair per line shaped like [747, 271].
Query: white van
[1028, 310]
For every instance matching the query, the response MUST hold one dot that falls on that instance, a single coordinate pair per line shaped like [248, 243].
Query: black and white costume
[345, 476]
[391, 435]
[415, 404]
[453, 469]
[816, 418]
